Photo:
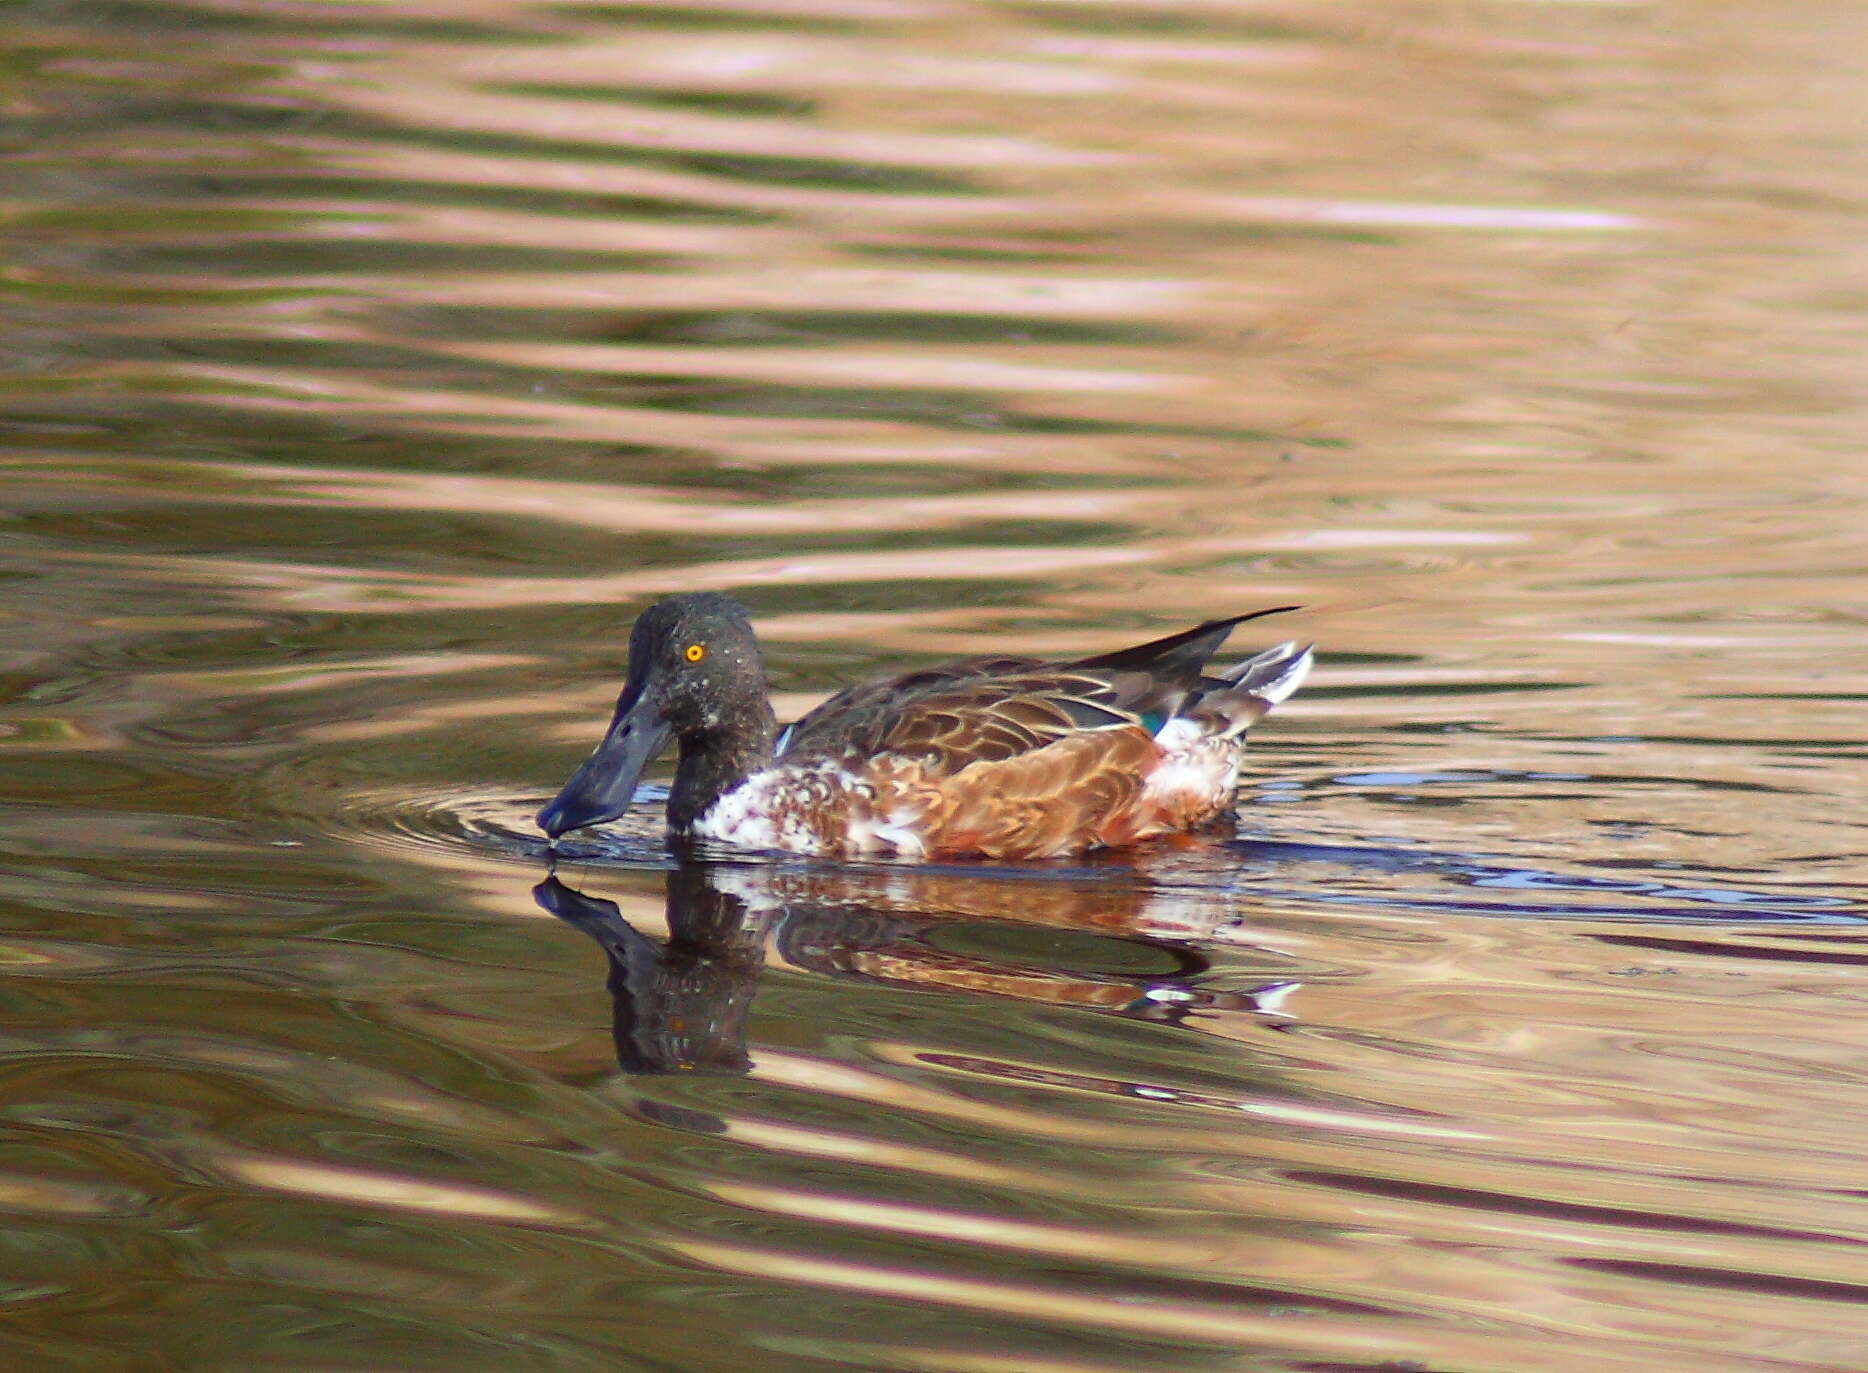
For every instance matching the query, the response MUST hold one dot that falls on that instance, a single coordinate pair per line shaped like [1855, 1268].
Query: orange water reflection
[367, 368]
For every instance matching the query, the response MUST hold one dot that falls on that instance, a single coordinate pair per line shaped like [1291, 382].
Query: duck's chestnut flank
[1008, 757]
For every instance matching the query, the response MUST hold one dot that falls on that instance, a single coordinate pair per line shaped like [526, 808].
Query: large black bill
[603, 787]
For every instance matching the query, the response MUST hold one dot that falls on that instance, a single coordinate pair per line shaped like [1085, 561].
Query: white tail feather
[1274, 675]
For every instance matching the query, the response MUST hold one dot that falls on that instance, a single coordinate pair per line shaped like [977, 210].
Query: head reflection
[678, 1005]
[683, 1003]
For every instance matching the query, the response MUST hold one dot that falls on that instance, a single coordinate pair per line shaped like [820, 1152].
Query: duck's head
[695, 676]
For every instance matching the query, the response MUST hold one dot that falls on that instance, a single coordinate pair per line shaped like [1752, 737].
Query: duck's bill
[604, 786]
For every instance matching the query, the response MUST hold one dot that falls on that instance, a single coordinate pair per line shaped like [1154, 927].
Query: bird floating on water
[1004, 757]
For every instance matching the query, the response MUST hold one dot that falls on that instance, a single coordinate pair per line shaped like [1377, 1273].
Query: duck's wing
[1002, 715]
[991, 710]
[995, 719]
[858, 712]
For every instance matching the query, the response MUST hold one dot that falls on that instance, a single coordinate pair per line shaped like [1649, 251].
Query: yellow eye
[694, 652]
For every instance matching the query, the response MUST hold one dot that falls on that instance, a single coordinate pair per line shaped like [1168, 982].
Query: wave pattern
[363, 369]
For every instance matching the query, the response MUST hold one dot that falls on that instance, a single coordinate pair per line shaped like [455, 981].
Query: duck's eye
[694, 652]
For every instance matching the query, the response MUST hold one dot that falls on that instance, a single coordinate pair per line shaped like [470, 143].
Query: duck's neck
[715, 761]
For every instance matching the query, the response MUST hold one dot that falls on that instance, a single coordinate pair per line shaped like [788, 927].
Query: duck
[1002, 757]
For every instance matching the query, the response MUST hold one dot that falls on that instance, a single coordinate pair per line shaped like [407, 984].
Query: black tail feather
[1179, 657]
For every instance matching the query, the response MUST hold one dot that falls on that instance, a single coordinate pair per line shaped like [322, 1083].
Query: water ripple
[366, 370]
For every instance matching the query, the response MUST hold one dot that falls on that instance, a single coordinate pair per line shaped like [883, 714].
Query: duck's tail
[1179, 658]
[1243, 695]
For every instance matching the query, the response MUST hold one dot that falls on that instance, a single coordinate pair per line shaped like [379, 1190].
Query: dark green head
[694, 676]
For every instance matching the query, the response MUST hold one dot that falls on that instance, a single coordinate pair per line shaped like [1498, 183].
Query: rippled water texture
[364, 368]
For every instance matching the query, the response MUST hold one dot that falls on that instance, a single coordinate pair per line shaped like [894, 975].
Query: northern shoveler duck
[1005, 757]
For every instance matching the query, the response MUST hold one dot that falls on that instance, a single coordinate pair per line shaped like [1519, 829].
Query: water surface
[364, 369]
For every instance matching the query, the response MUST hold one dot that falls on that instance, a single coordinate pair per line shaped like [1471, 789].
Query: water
[365, 368]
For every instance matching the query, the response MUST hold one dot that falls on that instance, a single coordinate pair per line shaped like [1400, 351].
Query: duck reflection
[683, 1004]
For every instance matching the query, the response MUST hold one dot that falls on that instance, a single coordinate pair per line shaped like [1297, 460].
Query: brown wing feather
[996, 719]
[953, 724]
[857, 715]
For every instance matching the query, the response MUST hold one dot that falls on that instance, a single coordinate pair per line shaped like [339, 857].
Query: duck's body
[1005, 757]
